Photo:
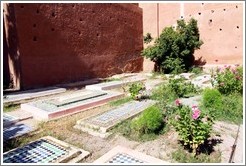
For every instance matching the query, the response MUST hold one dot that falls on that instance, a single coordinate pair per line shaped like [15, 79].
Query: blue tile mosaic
[41, 151]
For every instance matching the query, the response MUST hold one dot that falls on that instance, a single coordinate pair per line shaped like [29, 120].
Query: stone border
[119, 149]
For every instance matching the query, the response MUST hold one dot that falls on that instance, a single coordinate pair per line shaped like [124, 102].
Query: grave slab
[69, 104]
[99, 125]
[114, 84]
[45, 150]
[15, 131]
[30, 94]
[124, 155]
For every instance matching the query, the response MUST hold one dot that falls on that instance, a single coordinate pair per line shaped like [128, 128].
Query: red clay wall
[71, 42]
[220, 26]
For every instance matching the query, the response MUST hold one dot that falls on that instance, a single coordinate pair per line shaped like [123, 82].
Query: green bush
[212, 98]
[148, 122]
[163, 93]
[135, 88]
[229, 79]
[181, 88]
[173, 51]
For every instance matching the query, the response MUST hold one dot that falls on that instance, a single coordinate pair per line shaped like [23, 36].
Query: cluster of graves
[51, 150]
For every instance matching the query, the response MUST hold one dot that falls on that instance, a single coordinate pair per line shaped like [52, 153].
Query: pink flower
[194, 107]
[196, 114]
[177, 102]
[225, 66]
[236, 65]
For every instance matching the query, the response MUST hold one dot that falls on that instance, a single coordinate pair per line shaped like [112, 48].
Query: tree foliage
[173, 50]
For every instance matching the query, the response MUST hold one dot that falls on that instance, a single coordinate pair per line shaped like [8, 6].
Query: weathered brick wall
[220, 26]
[71, 42]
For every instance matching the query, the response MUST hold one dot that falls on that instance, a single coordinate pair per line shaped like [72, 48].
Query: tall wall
[220, 26]
[70, 42]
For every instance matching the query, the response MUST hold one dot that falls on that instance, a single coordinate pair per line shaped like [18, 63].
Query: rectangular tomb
[72, 103]
[99, 125]
[45, 150]
[124, 155]
[30, 94]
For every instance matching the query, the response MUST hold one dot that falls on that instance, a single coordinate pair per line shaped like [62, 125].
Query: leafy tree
[173, 51]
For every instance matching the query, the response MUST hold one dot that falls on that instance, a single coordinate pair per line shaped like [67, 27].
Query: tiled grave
[45, 150]
[72, 103]
[8, 120]
[99, 125]
[124, 155]
[15, 131]
[30, 94]
[114, 84]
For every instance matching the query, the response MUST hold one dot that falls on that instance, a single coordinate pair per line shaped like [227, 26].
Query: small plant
[135, 89]
[164, 94]
[148, 122]
[228, 79]
[148, 38]
[193, 126]
[212, 100]
[181, 88]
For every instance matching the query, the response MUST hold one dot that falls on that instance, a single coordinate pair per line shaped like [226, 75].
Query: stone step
[99, 125]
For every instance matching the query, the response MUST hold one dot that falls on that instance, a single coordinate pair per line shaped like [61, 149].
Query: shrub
[229, 79]
[212, 100]
[135, 88]
[149, 121]
[181, 88]
[173, 51]
[193, 126]
[163, 93]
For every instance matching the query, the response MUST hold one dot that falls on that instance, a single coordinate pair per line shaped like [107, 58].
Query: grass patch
[230, 109]
[182, 156]
[120, 101]
[10, 107]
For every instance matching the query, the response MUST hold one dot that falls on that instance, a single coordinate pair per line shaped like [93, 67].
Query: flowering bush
[192, 125]
[229, 79]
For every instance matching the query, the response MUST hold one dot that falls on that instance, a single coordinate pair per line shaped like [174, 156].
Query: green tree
[173, 51]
